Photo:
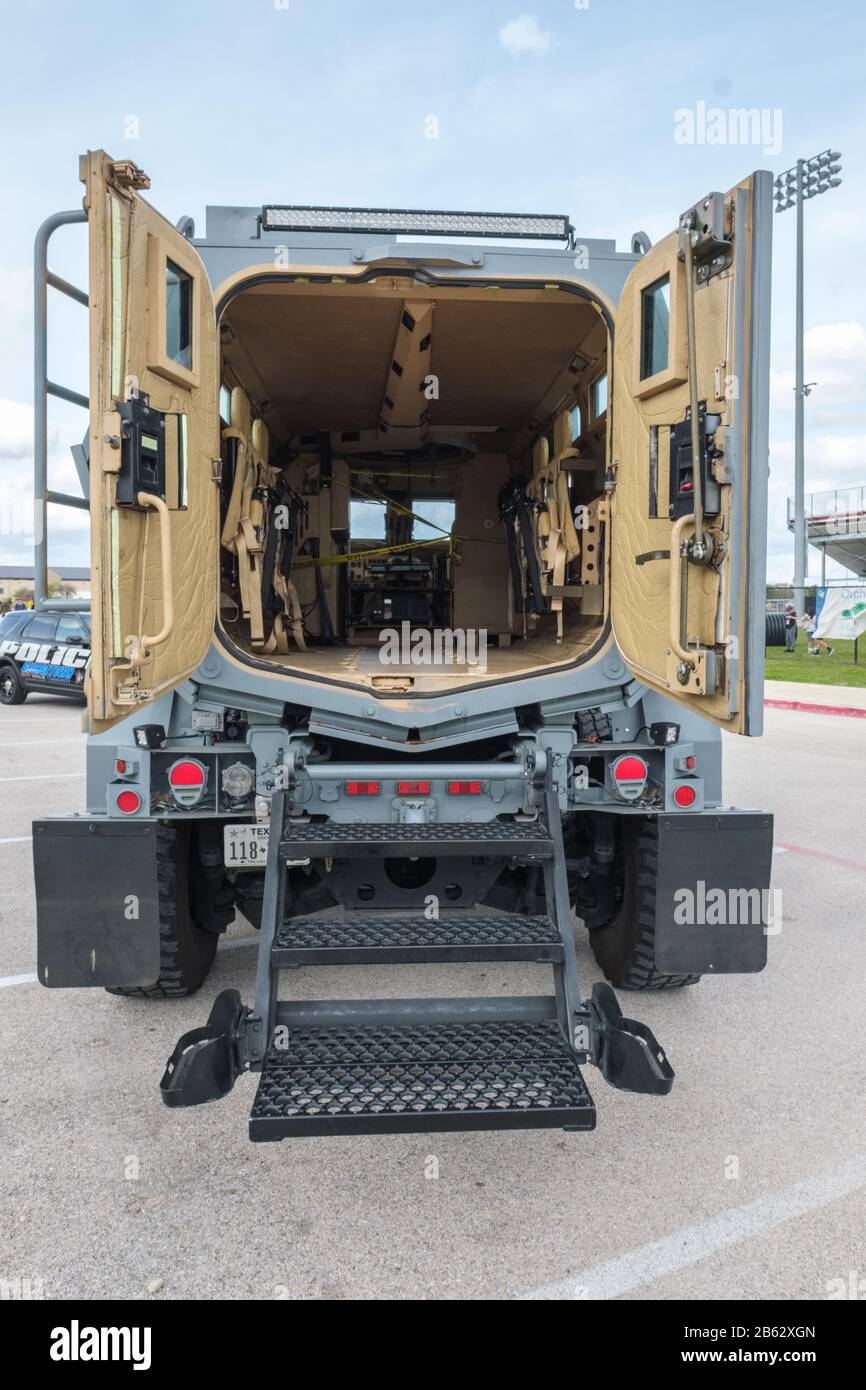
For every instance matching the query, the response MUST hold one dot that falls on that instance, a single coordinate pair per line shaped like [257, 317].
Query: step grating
[415, 1079]
[401, 937]
[331, 838]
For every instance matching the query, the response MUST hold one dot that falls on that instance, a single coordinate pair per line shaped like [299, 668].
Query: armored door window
[655, 327]
[598, 396]
[439, 512]
[367, 521]
[174, 295]
[178, 314]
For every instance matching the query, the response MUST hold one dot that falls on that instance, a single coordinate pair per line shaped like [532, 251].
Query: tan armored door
[154, 433]
[689, 618]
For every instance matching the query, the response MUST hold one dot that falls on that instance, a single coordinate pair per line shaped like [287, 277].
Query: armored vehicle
[428, 557]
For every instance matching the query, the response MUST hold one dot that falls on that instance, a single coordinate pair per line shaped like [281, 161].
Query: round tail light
[685, 795]
[187, 779]
[629, 776]
[128, 802]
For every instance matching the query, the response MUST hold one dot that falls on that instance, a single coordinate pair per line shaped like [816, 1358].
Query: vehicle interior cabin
[396, 453]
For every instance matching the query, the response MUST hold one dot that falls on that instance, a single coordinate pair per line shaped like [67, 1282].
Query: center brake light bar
[409, 221]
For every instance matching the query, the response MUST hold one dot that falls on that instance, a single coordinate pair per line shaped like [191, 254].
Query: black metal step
[402, 938]
[390, 1080]
[331, 840]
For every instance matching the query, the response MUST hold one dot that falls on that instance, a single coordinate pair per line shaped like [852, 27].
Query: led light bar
[396, 221]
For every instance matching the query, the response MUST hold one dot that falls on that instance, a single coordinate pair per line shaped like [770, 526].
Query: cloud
[68, 529]
[523, 35]
[16, 430]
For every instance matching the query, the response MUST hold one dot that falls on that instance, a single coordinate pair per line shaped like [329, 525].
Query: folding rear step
[406, 938]
[414, 1065]
[330, 840]
[389, 1080]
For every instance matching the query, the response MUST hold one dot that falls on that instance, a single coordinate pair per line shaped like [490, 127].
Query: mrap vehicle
[428, 557]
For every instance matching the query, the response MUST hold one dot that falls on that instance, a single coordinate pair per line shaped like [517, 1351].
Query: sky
[565, 106]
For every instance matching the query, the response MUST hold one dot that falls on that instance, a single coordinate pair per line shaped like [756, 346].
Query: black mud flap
[626, 1052]
[714, 909]
[97, 901]
[204, 1066]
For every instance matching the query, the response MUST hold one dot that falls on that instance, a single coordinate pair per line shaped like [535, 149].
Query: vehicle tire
[625, 945]
[186, 951]
[12, 692]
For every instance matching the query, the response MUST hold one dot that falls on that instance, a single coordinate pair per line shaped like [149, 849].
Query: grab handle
[147, 499]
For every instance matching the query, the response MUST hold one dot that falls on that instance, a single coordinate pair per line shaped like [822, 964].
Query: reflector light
[464, 788]
[690, 761]
[128, 802]
[630, 770]
[120, 765]
[685, 794]
[629, 776]
[413, 788]
[186, 775]
[280, 218]
[187, 779]
[362, 788]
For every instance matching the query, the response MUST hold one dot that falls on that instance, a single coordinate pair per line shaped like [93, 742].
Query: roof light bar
[397, 221]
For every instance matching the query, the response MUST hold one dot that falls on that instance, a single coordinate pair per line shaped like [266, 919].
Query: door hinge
[127, 176]
[712, 248]
[216, 466]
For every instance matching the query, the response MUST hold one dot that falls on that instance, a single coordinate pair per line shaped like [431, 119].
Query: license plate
[245, 846]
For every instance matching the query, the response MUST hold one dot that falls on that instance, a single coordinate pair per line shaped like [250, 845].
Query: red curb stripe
[849, 711]
[855, 864]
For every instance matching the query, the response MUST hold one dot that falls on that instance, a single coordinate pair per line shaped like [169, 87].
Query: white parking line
[691, 1244]
[41, 742]
[47, 720]
[44, 777]
[17, 840]
[6, 981]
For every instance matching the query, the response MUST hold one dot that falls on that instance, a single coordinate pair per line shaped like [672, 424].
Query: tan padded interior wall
[481, 580]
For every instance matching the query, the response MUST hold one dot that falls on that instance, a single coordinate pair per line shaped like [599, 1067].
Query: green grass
[838, 669]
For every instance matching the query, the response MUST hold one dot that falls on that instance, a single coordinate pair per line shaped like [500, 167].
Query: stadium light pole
[805, 179]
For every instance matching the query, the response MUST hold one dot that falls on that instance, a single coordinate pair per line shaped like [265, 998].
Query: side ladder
[413, 1065]
[43, 278]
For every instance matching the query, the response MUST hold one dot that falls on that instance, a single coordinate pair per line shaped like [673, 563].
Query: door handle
[148, 499]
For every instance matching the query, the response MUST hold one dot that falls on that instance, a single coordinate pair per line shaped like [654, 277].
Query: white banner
[842, 612]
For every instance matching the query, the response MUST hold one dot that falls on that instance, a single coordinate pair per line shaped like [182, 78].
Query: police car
[43, 651]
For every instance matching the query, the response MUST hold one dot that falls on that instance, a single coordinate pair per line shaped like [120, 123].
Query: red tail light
[187, 779]
[362, 788]
[629, 776]
[464, 788]
[128, 802]
[685, 795]
[413, 788]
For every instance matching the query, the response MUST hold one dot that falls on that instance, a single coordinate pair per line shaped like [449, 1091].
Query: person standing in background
[790, 628]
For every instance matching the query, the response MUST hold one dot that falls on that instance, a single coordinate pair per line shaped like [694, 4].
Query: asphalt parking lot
[748, 1181]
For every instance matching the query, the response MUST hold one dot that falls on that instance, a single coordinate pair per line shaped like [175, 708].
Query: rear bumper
[714, 906]
[97, 901]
